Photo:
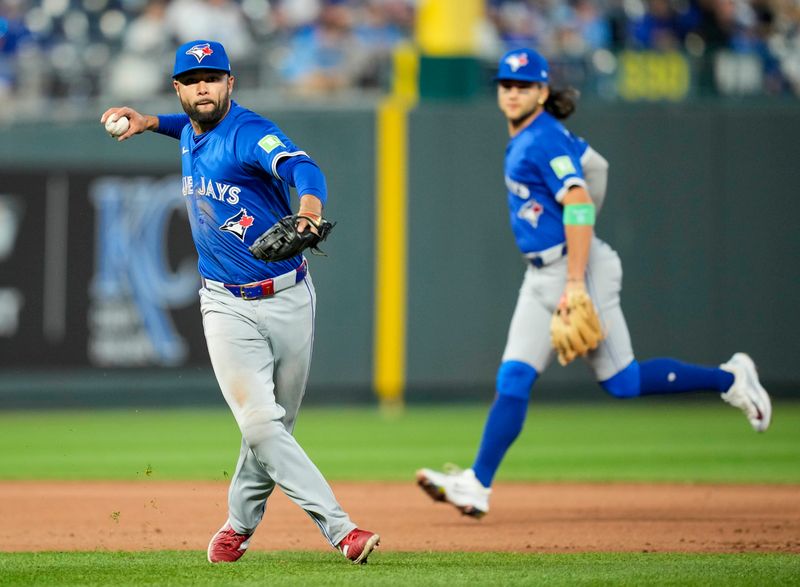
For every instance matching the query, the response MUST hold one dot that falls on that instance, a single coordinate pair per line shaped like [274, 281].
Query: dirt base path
[541, 517]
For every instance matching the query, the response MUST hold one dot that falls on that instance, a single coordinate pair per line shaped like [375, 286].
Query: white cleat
[459, 488]
[747, 393]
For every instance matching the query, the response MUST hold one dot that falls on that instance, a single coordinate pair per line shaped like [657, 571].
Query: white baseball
[117, 126]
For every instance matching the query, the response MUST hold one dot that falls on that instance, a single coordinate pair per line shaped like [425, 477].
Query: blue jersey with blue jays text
[542, 162]
[233, 193]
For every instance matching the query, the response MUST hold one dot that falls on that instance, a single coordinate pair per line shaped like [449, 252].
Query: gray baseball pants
[528, 336]
[261, 354]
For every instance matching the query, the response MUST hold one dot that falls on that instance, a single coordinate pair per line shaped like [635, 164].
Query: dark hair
[562, 102]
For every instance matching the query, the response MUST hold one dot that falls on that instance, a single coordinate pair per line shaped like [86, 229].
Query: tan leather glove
[575, 328]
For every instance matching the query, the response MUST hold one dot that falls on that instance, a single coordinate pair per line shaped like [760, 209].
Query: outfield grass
[450, 569]
[621, 441]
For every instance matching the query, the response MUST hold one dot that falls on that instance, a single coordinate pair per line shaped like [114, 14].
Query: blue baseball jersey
[542, 162]
[234, 193]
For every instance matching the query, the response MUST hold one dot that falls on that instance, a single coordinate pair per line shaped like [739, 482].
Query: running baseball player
[258, 313]
[569, 302]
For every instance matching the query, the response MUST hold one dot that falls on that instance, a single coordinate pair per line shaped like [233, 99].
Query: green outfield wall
[699, 207]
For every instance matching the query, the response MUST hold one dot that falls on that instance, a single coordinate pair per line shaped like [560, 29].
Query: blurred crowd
[123, 49]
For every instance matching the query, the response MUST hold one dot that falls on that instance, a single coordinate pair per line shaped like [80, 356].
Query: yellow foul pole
[391, 230]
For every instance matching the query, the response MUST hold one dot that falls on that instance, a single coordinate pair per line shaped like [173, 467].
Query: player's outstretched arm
[138, 123]
[579, 228]
[575, 328]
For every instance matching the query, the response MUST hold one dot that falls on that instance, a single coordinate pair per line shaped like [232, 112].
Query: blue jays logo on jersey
[518, 189]
[238, 224]
[517, 60]
[206, 188]
[531, 211]
[200, 52]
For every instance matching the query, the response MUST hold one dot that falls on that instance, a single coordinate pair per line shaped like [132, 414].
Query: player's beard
[518, 121]
[208, 118]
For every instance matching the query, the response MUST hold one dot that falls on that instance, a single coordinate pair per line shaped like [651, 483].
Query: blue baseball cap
[200, 55]
[523, 65]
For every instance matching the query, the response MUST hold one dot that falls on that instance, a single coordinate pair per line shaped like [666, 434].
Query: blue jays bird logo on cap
[200, 54]
[524, 65]
[517, 60]
[200, 51]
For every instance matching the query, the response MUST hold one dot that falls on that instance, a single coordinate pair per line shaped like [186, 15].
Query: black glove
[282, 241]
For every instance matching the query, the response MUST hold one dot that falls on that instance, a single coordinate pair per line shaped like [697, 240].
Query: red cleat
[357, 545]
[227, 546]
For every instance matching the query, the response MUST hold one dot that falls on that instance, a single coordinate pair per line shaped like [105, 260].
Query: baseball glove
[575, 327]
[282, 241]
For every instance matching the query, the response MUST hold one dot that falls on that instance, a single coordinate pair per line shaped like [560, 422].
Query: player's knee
[625, 384]
[515, 379]
[259, 425]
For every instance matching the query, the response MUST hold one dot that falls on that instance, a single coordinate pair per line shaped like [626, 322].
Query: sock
[671, 376]
[503, 425]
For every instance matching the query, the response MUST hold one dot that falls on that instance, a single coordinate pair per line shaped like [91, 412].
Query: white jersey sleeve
[595, 172]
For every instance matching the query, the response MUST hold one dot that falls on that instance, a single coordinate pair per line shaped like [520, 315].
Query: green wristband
[579, 214]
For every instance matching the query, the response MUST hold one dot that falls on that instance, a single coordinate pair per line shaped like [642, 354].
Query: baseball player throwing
[258, 316]
[556, 183]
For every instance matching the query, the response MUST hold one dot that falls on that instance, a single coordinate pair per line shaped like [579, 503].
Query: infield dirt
[539, 517]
